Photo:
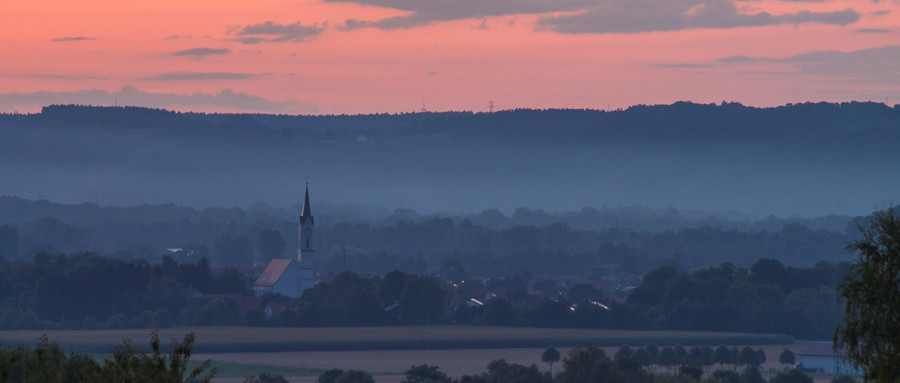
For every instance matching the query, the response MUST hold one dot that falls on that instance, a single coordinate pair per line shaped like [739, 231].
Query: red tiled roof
[272, 272]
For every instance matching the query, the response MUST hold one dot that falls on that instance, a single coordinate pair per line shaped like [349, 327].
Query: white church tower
[306, 253]
[290, 277]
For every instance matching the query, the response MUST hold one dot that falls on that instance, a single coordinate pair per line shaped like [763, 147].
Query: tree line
[766, 298]
[47, 363]
[235, 238]
[91, 291]
[591, 364]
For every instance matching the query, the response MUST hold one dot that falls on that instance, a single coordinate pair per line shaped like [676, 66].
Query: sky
[390, 56]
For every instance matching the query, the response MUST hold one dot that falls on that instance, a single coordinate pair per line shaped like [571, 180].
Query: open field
[267, 339]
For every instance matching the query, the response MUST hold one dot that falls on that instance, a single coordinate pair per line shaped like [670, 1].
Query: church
[290, 277]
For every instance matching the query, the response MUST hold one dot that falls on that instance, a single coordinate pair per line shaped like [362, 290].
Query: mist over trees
[544, 225]
[157, 258]
[795, 159]
[497, 245]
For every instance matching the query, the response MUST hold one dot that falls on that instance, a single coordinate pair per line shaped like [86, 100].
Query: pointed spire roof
[306, 211]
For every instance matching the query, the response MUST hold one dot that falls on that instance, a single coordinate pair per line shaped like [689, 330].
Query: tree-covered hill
[809, 159]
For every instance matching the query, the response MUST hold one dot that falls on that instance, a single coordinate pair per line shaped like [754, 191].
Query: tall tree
[787, 357]
[623, 352]
[550, 356]
[667, 357]
[722, 356]
[642, 356]
[752, 375]
[424, 373]
[870, 330]
[748, 357]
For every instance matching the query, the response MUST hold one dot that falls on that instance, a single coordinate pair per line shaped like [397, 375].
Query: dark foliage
[345, 376]
[499, 371]
[424, 373]
[787, 357]
[90, 291]
[792, 376]
[870, 330]
[47, 363]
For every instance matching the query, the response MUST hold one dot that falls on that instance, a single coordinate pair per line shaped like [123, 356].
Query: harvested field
[267, 339]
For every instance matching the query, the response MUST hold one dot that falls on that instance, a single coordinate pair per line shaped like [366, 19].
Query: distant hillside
[808, 159]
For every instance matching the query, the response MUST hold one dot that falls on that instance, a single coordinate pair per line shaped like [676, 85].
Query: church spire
[306, 249]
[306, 211]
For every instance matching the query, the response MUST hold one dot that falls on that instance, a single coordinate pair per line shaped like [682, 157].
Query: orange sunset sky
[365, 56]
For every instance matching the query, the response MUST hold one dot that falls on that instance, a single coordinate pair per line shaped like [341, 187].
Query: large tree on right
[870, 330]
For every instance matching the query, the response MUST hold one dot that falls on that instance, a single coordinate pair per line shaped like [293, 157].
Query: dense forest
[91, 291]
[810, 159]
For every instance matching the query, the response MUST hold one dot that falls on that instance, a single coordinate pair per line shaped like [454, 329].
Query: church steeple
[306, 253]
[306, 211]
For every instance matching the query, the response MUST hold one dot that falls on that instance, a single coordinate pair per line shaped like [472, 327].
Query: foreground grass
[267, 339]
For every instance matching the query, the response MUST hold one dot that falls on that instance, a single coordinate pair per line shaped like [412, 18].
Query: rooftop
[272, 272]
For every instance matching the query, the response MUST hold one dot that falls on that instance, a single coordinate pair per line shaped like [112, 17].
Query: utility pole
[491, 106]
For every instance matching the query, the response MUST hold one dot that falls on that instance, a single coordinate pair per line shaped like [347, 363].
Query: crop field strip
[268, 339]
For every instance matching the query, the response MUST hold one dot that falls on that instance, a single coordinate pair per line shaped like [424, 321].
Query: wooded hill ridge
[812, 159]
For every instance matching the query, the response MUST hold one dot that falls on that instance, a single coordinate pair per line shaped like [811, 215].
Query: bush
[267, 378]
[726, 376]
[348, 376]
[425, 373]
[354, 376]
[792, 376]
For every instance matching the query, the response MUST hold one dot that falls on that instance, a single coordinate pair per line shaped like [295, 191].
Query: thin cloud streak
[874, 63]
[59, 76]
[271, 32]
[428, 12]
[201, 53]
[199, 76]
[73, 38]
[638, 16]
[596, 16]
